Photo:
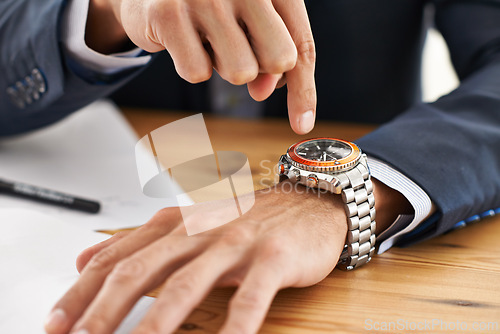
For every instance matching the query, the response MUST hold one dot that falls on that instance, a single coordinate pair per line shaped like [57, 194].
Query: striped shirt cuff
[419, 200]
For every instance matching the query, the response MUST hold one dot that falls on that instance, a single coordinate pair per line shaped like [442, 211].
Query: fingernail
[55, 320]
[306, 121]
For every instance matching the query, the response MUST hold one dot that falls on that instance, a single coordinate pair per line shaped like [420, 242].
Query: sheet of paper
[89, 154]
[37, 255]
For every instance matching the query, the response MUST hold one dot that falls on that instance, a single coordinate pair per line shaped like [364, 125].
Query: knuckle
[240, 77]
[182, 284]
[273, 249]
[309, 96]
[120, 235]
[159, 11]
[164, 218]
[105, 258]
[248, 300]
[97, 320]
[127, 271]
[196, 74]
[282, 63]
[214, 7]
[237, 328]
[306, 51]
[168, 213]
[236, 236]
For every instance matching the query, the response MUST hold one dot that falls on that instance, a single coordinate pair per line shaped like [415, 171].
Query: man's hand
[288, 239]
[262, 43]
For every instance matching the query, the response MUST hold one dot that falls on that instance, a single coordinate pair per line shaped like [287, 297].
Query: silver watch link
[340, 167]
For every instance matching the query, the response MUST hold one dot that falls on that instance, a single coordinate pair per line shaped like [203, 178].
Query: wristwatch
[339, 167]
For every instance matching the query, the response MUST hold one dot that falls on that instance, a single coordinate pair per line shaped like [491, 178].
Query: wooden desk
[452, 278]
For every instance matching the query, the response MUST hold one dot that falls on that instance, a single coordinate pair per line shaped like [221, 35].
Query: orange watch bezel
[355, 154]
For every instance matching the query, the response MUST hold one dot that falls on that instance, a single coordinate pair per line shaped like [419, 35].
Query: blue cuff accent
[475, 219]
[429, 225]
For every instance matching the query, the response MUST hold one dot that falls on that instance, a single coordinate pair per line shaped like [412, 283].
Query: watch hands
[333, 158]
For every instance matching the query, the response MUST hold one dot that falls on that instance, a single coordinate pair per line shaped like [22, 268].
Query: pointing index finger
[300, 80]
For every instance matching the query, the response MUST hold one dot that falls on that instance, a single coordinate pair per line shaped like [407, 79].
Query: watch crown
[312, 181]
[281, 169]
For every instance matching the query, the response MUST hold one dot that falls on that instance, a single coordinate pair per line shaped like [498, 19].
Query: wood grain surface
[448, 284]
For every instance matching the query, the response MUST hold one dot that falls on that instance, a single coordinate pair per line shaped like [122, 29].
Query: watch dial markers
[323, 150]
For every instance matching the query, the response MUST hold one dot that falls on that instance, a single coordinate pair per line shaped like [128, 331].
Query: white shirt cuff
[419, 200]
[73, 36]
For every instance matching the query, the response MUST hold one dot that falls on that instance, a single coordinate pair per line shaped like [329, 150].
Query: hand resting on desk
[288, 239]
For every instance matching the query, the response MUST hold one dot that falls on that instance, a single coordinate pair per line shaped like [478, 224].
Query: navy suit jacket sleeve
[30, 44]
[451, 147]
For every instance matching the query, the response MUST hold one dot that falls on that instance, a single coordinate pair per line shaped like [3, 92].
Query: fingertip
[55, 321]
[281, 82]
[256, 93]
[83, 258]
[303, 123]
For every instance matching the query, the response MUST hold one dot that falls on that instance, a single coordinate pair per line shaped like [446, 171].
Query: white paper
[37, 256]
[90, 154]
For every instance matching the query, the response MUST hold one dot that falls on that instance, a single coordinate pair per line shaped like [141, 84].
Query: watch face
[326, 154]
[323, 150]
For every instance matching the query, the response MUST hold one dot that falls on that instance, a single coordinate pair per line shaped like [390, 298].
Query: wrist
[389, 204]
[104, 32]
[315, 202]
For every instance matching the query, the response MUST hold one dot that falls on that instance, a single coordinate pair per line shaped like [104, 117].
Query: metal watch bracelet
[357, 193]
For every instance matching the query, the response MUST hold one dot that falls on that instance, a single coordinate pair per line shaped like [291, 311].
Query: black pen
[48, 196]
